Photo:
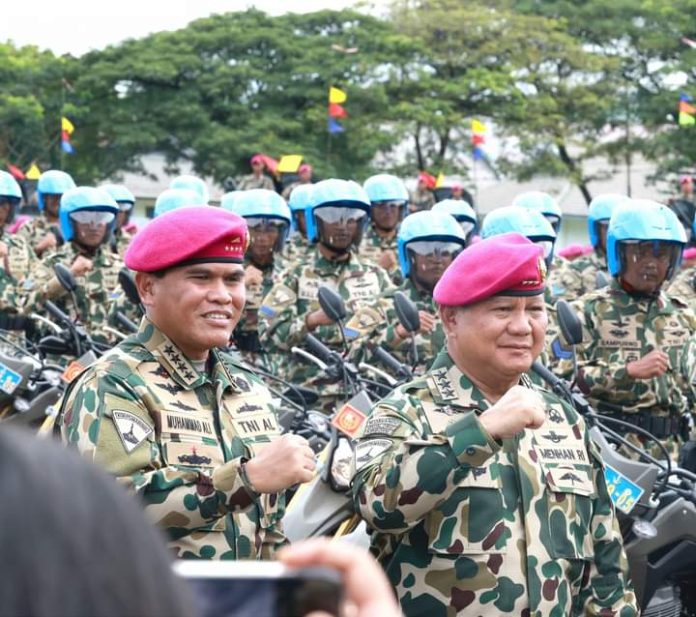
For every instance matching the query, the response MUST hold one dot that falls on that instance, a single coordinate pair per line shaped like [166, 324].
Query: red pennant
[15, 171]
[477, 140]
[337, 111]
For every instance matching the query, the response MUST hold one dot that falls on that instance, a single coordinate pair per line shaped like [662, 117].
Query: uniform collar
[179, 367]
[622, 298]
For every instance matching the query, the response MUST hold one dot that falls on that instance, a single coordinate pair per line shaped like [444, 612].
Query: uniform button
[471, 451]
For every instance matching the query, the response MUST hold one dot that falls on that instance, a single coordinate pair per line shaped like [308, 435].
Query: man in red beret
[484, 494]
[174, 417]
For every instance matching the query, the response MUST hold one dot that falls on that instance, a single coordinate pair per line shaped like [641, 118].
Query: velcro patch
[381, 425]
[192, 454]
[131, 429]
[570, 479]
[368, 450]
[348, 420]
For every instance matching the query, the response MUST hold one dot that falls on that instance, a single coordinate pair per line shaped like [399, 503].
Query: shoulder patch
[131, 429]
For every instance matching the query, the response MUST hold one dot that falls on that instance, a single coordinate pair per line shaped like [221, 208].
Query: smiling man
[483, 493]
[175, 418]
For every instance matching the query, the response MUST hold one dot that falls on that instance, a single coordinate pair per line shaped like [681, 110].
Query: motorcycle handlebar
[321, 351]
[58, 314]
[391, 362]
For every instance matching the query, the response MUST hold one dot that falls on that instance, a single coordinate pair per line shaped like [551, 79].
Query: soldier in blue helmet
[464, 214]
[20, 270]
[297, 247]
[336, 219]
[581, 273]
[638, 358]
[427, 244]
[43, 232]
[87, 218]
[192, 183]
[268, 219]
[123, 232]
[389, 200]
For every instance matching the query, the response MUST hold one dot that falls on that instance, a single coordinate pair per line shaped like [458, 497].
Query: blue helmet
[643, 220]
[193, 183]
[266, 204]
[385, 187]
[83, 198]
[600, 209]
[541, 202]
[460, 210]
[10, 189]
[52, 182]
[335, 192]
[300, 198]
[171, 199]
[228, 200]
[529, 223]
[426, 225]
[119, 192]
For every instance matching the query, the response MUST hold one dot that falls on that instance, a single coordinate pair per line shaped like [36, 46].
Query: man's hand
[387, 259]
[519, 408]
[427, 324]
[253, 276]
[49, 241]
[81, 265]
[288, 461]
[652, 364]
[317, 318]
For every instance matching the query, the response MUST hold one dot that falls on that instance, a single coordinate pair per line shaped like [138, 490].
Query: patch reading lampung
[131, 429]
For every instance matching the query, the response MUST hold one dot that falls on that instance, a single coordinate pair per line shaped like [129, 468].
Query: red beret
[508, 264]
[192, 234]
[257, 158]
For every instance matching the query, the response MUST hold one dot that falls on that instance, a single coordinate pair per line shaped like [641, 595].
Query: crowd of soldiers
[151, 410]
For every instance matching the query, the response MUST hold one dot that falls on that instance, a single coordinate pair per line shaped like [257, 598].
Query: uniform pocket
[569, 500]
[471, 521]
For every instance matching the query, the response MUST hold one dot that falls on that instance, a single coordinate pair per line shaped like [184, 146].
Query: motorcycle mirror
[569, 323]
[127, 283]
[407, 312]
[53, 345]
[332, 304]
[601, 279]
[65, 277]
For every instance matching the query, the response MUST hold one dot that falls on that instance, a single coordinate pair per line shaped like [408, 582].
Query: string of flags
[336, 110]
[478, 139]
[66, 130]
[687, 112]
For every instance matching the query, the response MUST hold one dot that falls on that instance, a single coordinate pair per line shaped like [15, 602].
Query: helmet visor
[261, 222]
[547, 245]
[339, 214]
[435, 248]
[554, 220]
[636, 251]
[467, 225]
[94, 217]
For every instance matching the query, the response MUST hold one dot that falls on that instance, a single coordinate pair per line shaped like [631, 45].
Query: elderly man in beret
[484, 494]
[180, 422]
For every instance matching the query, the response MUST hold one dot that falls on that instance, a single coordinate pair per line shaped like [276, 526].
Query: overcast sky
[77, 26]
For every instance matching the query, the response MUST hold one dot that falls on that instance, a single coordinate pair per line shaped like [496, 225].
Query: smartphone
[260, 589]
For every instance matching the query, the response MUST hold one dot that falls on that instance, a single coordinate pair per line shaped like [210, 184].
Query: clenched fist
[288, 461]
[652, 364]
[81, 265]
[519, 408]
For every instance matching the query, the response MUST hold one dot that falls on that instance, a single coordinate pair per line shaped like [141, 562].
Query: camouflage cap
[192, 234]
[507, 264]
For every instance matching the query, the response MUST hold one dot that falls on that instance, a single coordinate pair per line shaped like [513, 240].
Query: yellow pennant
[33, 173]
[477, 127]
[66, 125]
[289, 163]
[337, 96]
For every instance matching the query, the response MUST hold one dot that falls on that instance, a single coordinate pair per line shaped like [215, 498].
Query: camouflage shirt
[249, 182]
[682, 286]
[35, 230]
[468, 525]
[283, 311]
[177, 437]
[373, 245]
[95, 292]
[20, 274]
[619, 328]
[421, 200]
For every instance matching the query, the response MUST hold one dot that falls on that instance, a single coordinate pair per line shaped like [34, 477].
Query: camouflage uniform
[120, 241]
[421, 200]
[176, 435]
[427, 346]
[561, 281]
[683, 286]
[95, 292]
[373, 245]
[24, 274]
[467, 525]
[585, 269]
[619, 328]
[296, 249]
[283, 311]
[246, 333]
[33, 231]
[249, 182]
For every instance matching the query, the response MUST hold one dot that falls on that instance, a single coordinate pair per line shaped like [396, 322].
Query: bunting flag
[16, 172]
[33, 173]
[66, 130]
[335, 126]
[440, 180]
[336, 110]
[478, 138]
[337, 96]
[289, 163]
[687, 112]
